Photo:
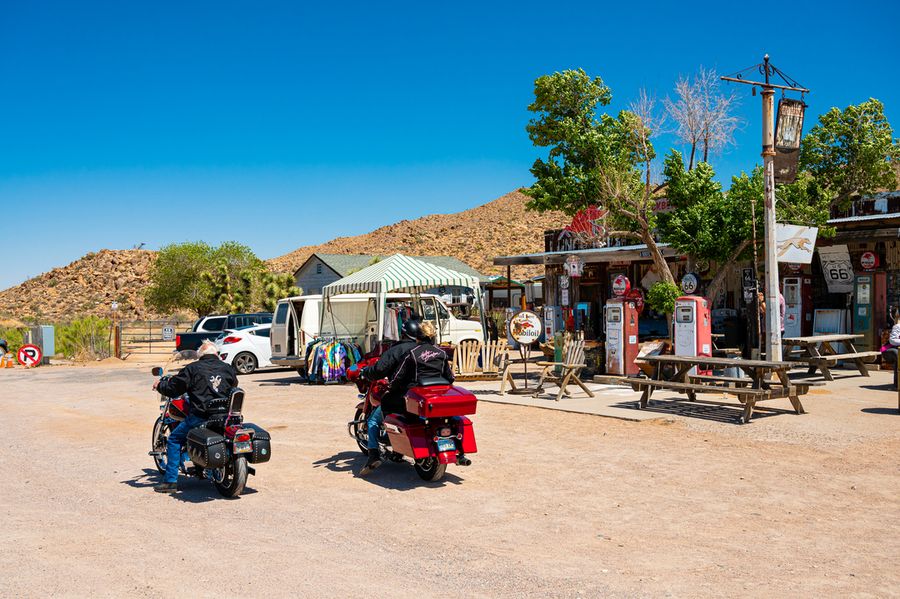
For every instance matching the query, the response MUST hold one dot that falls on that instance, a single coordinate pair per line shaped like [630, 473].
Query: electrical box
[620, 320]
[798, 306]
[693, 328]
[44, 336]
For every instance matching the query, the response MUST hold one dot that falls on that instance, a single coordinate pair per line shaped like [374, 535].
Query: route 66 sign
[690, 283]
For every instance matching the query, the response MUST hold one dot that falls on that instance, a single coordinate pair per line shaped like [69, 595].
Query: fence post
[117, 340]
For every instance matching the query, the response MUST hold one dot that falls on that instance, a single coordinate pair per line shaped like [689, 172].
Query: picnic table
[765, 381]
[819, 352]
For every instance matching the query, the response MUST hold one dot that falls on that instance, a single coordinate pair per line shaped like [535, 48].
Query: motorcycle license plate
[446, 445]
[243, 447]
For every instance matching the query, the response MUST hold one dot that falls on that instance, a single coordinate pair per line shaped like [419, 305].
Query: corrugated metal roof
[541, 258]
[867, 217]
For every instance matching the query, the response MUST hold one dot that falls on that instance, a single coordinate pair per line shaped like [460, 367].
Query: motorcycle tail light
[241, 437]
[231, 340]
[446, 432]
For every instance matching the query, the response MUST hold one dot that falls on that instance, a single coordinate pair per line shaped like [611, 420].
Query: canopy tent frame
[402, 274]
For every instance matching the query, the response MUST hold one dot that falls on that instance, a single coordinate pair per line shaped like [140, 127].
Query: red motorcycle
[433, 432]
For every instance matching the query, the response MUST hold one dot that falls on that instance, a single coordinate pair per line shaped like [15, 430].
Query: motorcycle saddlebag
[262, 445]
[440, 401]
[407, 435]
[207, 448]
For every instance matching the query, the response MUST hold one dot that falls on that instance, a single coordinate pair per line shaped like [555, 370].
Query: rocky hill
[475, 236]
[86, 286]
[89, 285]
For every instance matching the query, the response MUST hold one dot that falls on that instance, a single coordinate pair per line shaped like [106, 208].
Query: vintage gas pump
[869, 309]
[620, 321]
[693, 328]
[553, 321]
[798, 307]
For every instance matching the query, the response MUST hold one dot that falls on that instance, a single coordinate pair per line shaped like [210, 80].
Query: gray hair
[208, 348]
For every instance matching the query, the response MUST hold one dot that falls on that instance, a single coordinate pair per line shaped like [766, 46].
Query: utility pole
[773, 304]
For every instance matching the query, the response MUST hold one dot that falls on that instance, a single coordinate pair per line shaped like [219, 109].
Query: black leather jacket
[390, 360]
[208, 381]
[423, 362]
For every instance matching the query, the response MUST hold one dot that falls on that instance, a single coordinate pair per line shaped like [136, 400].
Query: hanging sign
[690, 283]
[869, 261]
[525, 327]
[29, 355]
[794, 243]
[574, 266]
[564, 296]
[621, 285]
[788, 131]
[837, 268]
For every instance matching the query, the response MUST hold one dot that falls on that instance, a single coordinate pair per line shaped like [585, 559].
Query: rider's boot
[373, 462]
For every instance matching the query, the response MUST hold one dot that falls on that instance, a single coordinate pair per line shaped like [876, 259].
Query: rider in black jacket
[208, 381]
[419, 361]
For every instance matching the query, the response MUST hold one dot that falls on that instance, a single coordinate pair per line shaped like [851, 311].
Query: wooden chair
[465, 359]
[566, 372]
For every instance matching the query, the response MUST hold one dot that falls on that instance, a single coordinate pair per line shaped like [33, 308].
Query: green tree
[194, 275]
[710, 224]
[594, 160]
[277, 286]
[851, 152]
[176, 281]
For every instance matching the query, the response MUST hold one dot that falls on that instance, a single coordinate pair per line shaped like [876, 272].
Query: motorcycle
[220, 449]
[433, 432]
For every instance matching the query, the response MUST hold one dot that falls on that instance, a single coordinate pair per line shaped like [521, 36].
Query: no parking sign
[29, 355]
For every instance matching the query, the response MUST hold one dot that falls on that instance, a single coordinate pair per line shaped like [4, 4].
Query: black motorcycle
[220, 449]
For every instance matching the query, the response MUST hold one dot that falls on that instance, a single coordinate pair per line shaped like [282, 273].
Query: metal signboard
[794, 243]
[788, 131]
[837, 268]
[525, 327]
[168, 333]
[29, 355]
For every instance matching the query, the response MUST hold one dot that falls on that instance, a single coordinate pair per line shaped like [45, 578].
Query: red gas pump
[620, 320]
[798, 306]
[693, 328]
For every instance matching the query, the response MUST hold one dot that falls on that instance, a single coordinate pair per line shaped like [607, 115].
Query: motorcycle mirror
[156, 371]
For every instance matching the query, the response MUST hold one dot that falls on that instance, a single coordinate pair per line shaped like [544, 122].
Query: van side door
[278, 334]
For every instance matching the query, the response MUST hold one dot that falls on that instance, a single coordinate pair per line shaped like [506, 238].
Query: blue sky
[281, 124]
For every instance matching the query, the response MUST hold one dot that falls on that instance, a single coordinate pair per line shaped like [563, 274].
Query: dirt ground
[555, 504]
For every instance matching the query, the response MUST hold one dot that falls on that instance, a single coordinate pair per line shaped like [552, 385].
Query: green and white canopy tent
[400, 273]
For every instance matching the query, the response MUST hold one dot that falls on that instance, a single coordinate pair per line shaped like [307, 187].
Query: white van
[297, 321]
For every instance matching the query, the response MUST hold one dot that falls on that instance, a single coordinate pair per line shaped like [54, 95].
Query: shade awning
[399, 273]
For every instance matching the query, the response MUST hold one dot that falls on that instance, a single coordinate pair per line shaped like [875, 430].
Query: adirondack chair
[493, 357]
[566, 372]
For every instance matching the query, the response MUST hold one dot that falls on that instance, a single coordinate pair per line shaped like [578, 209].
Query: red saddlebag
[440, 401]
[407, 436]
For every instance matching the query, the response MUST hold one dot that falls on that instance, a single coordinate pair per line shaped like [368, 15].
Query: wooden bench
[473, 360]
[759, 386]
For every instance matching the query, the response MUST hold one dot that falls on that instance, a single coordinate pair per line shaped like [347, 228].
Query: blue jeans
[374, 421]
[177, 438]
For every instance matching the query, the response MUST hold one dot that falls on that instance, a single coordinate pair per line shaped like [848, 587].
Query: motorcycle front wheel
[234, 478]
[430, 469]
[160, 440]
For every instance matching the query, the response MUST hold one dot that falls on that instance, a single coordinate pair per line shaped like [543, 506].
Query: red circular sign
[621, 285]
[29, 355]
[868, 260]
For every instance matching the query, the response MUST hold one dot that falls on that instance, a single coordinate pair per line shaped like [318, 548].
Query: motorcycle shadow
[190, 489]
[397, 476]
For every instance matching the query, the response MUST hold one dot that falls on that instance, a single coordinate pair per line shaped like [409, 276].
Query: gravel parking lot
[555, 504]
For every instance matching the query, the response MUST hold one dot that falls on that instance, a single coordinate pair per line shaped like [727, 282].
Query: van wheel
[245, 363]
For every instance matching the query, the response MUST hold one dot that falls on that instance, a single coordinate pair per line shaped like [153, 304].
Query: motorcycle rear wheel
[159, 443]
[361, 435]
[234, 479]
[430, 469]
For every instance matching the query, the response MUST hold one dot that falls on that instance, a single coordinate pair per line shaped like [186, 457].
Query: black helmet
[412, 329]
[4, 345]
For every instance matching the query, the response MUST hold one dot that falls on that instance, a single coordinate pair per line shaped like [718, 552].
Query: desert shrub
[84, 339]
[15, 337]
